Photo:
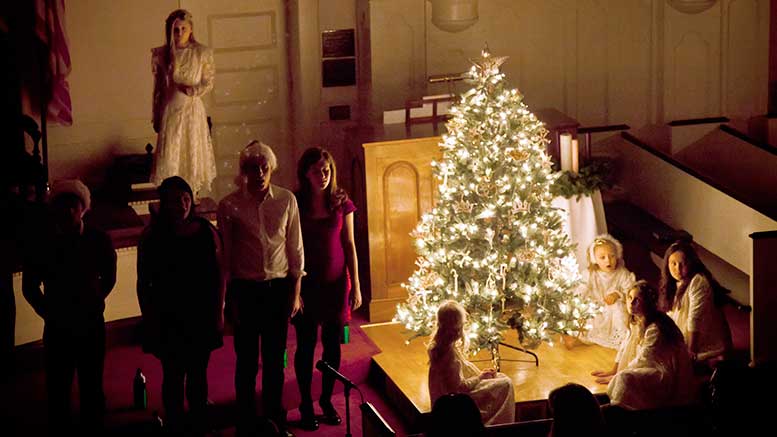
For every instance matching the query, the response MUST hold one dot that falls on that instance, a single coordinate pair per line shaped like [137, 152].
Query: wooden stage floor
[405, 367]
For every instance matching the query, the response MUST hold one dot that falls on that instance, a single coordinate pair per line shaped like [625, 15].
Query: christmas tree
[493, 242]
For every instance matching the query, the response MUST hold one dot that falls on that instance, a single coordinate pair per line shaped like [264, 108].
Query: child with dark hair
[661, 374]
[691, 296]
[181, 294]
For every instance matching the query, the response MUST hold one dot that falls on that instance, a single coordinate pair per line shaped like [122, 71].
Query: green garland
[592, 177]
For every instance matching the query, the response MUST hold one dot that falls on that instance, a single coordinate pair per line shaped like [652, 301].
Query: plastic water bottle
[140, 395]
[346, 338]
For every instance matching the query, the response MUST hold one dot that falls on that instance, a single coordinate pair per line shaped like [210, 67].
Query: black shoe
[330, 416]
[308, 422]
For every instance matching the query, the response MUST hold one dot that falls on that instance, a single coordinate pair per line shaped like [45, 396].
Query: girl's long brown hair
[670, 294]
[334, 195]
[652, 313]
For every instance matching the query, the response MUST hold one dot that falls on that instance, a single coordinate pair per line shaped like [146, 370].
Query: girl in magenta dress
[331, 287]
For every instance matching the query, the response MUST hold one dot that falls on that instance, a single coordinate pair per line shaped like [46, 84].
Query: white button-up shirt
[262, 239]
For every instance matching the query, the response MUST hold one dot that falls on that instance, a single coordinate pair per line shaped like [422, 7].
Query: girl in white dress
[691, 296]
[626, 352]
[661, 373]
[183, 72]
[606, 281]
[451, 372]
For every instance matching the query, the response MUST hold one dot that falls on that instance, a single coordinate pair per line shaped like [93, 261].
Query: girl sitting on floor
[661, 373]
[451, 372]
[692, 296]
[607, 280]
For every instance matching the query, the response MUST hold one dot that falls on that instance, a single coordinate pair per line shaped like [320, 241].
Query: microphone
[324, 367]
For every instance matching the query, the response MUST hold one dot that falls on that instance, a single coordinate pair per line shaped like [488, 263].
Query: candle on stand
[565, 150]
[575, 157]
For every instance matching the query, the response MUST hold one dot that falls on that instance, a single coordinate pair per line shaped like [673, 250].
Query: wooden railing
[586, 131]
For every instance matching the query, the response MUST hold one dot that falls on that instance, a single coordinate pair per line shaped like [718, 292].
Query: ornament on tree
[526, 255]
[462, 206]
[519, 155]
[520, 206]
[498, 253]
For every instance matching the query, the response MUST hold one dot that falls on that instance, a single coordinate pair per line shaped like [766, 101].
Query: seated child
[606, 281]
[626, 352]
[451, 372]
[690, 294]
[661, 373]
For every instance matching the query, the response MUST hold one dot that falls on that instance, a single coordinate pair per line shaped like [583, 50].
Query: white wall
[121, 303]
[110, 84]
[600, 61]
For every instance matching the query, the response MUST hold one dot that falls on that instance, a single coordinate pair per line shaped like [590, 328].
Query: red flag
[50, 29]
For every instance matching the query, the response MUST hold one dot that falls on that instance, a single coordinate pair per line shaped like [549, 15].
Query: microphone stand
[347, 392]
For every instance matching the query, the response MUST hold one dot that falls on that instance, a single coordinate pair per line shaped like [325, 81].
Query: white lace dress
[611, 326]
[661, 374]
[452, 373]
[184, 146]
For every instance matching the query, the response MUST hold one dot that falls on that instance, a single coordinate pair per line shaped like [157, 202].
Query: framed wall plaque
[338, 72]
[338, 43]
[338, 52]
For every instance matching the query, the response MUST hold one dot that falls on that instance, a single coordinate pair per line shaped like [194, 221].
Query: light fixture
[454, 15]
[691, 6]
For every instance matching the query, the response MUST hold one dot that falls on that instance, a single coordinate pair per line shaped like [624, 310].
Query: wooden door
[250, 96]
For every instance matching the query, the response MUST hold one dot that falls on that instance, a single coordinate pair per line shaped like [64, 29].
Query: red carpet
[23, 403]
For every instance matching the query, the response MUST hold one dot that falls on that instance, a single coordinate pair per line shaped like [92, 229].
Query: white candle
[575, 156]
[565, 150]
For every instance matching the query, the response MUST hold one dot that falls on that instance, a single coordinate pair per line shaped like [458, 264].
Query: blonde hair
[449, 330]
[182, 15]
[252, 151]
[599, 241]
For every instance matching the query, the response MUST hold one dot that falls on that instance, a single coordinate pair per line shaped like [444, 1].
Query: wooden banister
[588, 130]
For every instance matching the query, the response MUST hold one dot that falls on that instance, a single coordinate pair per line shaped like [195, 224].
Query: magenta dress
[327, 284]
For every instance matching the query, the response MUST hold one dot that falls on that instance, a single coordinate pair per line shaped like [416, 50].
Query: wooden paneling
[399, 188]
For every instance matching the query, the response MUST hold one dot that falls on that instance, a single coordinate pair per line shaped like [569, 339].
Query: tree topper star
[488, 63]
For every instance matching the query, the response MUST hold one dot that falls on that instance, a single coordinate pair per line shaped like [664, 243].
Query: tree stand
[496, 358]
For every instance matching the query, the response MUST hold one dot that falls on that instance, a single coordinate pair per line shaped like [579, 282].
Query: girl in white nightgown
[626, 352]
[451, 372]
[607, 280]
[661, 373]
[183, 72]
[693, 297]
